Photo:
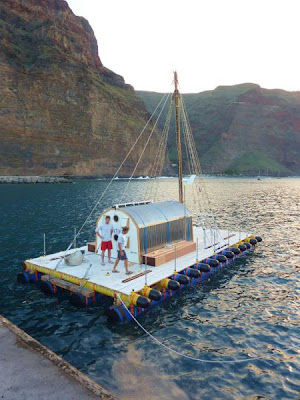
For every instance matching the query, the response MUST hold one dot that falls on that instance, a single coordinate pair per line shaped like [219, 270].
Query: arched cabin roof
[156, 213]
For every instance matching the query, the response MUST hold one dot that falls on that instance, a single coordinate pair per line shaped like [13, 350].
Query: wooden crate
[165, 254]
[92, 247]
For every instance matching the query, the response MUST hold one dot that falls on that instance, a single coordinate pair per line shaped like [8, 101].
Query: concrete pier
[29, 370]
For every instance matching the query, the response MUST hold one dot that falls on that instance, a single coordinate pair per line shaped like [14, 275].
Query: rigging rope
[186, 355]
[142, 153]
[160, 156]
[194, 159]
[110, 182]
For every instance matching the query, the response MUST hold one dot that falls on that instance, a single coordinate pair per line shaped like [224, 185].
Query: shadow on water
[250, 308]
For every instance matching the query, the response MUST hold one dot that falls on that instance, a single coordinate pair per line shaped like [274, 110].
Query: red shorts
[106, 245]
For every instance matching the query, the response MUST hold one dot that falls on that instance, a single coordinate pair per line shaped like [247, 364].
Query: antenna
[179, 154]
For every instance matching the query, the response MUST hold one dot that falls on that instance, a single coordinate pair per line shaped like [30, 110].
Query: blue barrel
[202, 267]
[47, 288]
[191, 272]
[212, 262]
[182, 279]
[23, 277]
[229, 254]
[235, 250]
[221, 258]
[118, 314]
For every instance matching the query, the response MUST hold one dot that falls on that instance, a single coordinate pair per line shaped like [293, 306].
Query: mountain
[61, 111]
[242, 128]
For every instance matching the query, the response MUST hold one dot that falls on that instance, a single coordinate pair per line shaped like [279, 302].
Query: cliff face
[61, 110]
[243, 128]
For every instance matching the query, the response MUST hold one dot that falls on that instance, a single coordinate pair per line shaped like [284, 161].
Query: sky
[209, 42]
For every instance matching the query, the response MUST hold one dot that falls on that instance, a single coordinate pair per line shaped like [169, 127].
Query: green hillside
[241, 129]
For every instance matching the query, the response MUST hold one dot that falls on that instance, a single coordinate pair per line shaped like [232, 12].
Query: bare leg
[109, 255]
[126, 267]
[115, 266]
[102, 257]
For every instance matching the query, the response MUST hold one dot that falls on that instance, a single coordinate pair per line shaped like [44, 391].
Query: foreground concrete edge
[67, 368]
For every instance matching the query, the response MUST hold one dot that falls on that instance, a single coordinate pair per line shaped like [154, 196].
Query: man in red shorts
[104, 231]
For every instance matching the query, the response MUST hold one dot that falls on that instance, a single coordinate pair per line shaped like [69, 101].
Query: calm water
[251, 308]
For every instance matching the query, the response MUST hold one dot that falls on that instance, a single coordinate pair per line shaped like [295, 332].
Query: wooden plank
[136, 276]
[67, 285]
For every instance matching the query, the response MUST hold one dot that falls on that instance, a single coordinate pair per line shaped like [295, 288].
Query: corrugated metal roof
[149, 214]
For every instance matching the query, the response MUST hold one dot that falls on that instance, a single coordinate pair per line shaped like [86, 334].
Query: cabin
[152, 227]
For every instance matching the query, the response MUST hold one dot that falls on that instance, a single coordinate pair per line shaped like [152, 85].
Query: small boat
[169, 248]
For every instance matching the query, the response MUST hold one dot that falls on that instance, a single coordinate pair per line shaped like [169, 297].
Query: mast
[179, 154]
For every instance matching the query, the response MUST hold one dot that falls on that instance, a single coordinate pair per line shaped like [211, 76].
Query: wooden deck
[102, 275]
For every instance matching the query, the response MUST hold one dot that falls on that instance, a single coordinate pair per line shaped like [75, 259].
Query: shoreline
[20, 179]
[15, 179]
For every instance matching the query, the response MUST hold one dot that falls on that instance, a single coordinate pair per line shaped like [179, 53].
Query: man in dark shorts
[104, 231]
[121, 251]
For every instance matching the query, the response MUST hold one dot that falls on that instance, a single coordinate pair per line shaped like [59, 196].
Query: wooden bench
[168, 253]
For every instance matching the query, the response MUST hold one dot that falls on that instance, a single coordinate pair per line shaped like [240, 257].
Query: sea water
[249, 309]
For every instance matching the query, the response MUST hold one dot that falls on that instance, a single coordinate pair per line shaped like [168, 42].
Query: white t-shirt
[105, 230]
[122, 239]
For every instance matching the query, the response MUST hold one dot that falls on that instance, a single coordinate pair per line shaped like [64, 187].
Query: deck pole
[146, 282]
[179, 153]
[184, 203]
[44, 237]
[214, 237]
[175, 257]
[204, 231]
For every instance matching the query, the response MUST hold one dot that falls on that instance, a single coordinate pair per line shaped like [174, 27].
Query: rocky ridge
[61, 111]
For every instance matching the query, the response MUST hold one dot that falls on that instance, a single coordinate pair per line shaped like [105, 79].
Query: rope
[159, 158]
[186, 355]
[142, 153]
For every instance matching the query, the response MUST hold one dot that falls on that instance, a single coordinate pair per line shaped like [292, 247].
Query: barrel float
[248, 245]
[79, 300]
[170, 284]
[253, 241]
[152, 294]
[213, 262]
[23, 277]
[258, 238]
[202, 267]
[47, 288]
[118, 314]
[182, 279]
[191, 272]
[138, 300]
[221, 258]
[242, 247]
[235, 250]
[229, 254]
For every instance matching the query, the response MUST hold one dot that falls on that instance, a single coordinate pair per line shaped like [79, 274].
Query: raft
[147, 287]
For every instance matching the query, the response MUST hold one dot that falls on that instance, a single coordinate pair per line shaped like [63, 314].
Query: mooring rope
[186, 355]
